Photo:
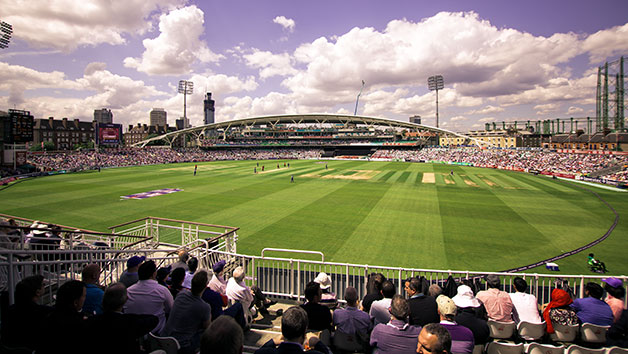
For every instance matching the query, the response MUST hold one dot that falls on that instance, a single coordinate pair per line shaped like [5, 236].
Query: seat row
[589, 333]
[538, 348]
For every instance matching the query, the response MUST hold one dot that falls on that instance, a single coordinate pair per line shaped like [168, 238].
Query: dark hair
[162, 274]
[199, 282]
[146, 270]
[114, 298]
[374, 283]
[193, 264]
[388, 289]
[223, 336]
[351, 295]
[69, 292]
[177, 276]
[91, 272]
[520, 284]
[311, 290]
[618, 292]
[594, 289]
[399, 307]
[415, 284]
[294, 323]
[444, 338]
[591, 255]
[27, 288]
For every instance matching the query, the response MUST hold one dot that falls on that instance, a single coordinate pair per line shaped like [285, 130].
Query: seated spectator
[25, 313]
[184, 256]
[328, 298]
[293, 328]
[223, 336]
[471, 314]
[129, 276]
[319, 316]
[351, 321]
[380, 312]
[162, 275]
[176, 281]
[591, 309]
[373, 290]
[93, 299]
[498, 305]
[462, 340]
[617, 335]
[397, 336]
[147, 297]
[190, 315]
[434, 291]
[558, 311]
[218, 282]
[526, 305]
[238, 291]
[65, 318]
[434, 339]
[615, 294]
[423, 309]
[217, 301]
[192, 266]
[122, 329]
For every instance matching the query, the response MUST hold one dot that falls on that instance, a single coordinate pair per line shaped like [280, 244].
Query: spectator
[380, 309]
[559, 311]
[471, 314]
[148, 297]
[162, 275]
[397, 336]
[129, 276]
[328, 298]
[591, 309]
[319, 316]
[218, 282]
[123, 330]
[238, 291]
[184, 256]
[423, 309]
[223, 336]
[615, 294]
[25, 313]
[192, 266]
[617, 335]
[526, 305]
[373, 290]
[434, 339]
[93, 299]
[217, 302]
[293, 327]
[498, 305]
[350, 320]
[434, 291]
[462, 340]
[190, 315]
[176, 281]
[65, 318]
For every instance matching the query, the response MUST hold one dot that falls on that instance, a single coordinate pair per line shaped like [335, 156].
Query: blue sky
[501, 60]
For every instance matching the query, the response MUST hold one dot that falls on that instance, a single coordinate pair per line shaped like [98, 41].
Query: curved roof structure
[300, 119]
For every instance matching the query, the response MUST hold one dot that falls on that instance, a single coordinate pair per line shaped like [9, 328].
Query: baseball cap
[446, 306]
[135, 261]
[612, 281]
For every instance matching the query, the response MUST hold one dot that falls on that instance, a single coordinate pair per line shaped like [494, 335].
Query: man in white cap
[461, 337]
[471, 314]
[328, 298]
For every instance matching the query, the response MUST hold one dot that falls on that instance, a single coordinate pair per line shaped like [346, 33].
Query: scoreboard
[19, 128]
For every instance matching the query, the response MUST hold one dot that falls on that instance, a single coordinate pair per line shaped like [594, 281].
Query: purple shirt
[461, 337]
[350, 320]
[395, 337]
[592, 310]
[148, 297]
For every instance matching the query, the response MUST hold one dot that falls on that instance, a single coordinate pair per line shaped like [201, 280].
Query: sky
[501, 60]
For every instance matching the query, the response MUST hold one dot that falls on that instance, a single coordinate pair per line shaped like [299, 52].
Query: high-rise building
[415, 119]
[209, 109]
[158, 117]
[103, 116]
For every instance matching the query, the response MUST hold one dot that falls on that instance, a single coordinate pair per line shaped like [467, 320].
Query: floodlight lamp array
[6, 30]
[186, 87]
[435, 82]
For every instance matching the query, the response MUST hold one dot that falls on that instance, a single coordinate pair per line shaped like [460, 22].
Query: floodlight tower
[436, 83]
[355, 112]
[186, 88]
[6, 30]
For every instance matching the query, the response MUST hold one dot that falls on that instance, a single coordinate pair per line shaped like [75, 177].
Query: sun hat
[612, 281]
[446, 306]
[135, 261]
[323, 279]
[465, 297]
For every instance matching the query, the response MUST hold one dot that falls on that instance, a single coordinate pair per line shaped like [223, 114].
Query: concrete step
[266, 327]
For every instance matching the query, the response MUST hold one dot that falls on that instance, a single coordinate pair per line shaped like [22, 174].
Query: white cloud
[458, 119]
[68, 24]
[287, 23]
[604, 44]
[270, 64]
[487, 110]
[574, 110]
[177, 47]
[486, 120]
[543, 109]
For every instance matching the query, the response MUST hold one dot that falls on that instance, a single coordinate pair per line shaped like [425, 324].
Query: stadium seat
[593, 333]
[168, 344]
[616, 350]
[531, 331]
[504, 348]
[538, 348]
[501, 330]
[564, 333]
[576, 349]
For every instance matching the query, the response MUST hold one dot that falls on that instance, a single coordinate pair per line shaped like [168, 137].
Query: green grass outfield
[379, 213]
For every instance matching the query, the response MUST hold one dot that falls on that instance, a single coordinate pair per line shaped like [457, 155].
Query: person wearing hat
[498, 305]
[615, 294]
[558, 311]
[328, 298]
[218, 282]
[462, 340]
[471, 314]
[129, 276]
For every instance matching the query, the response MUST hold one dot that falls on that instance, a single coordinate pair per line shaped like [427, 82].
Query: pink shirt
[147, 297]
[617, 306]
[497, 303]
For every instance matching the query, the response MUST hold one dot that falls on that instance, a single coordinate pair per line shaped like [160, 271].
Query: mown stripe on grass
[403, 177]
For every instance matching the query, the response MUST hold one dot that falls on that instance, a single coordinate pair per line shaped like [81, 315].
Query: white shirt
[218, 284]
[379, 311]
[239, 292]
[149, 298]
[527, 307]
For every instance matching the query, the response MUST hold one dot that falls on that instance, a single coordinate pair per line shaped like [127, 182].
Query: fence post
[298, 285]
[11, 280]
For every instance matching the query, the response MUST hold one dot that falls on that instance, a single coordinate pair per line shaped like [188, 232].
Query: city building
[158, 117]
[415, 119]
[64, 133]
[209, 109]
[139, 132]
[182, 123]
[103, 116]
